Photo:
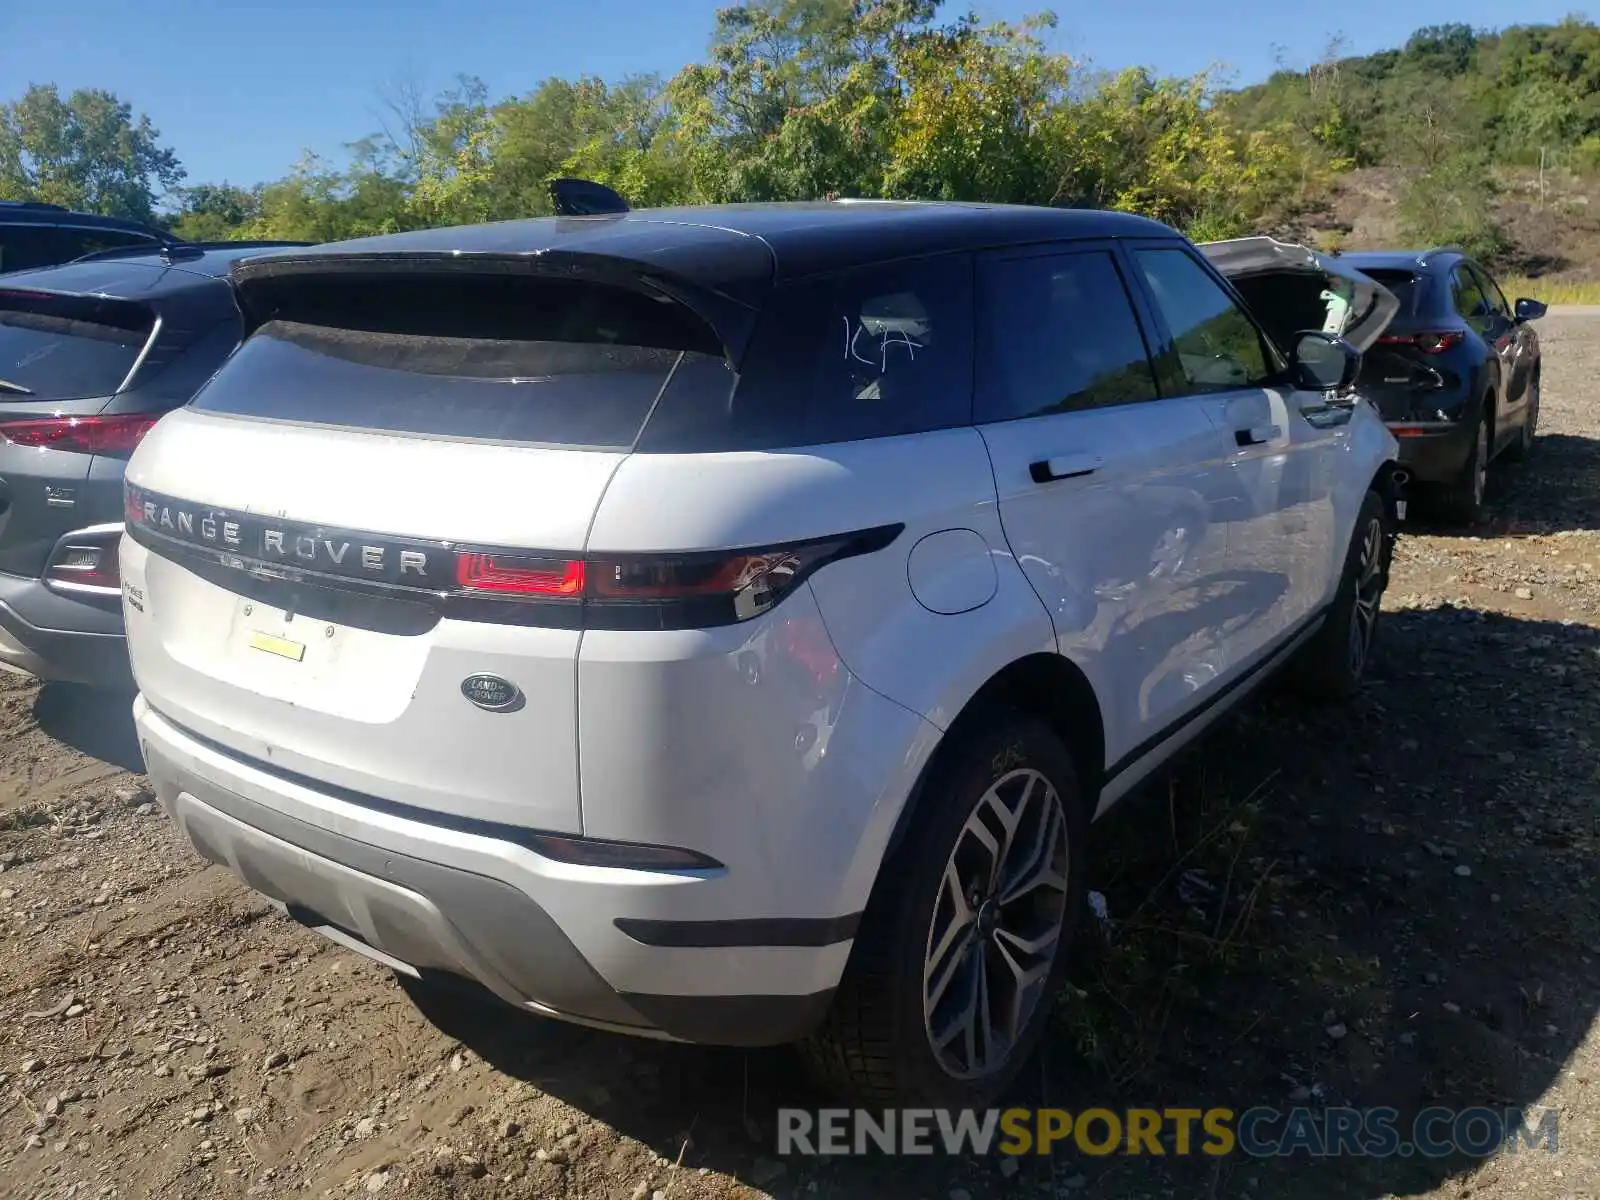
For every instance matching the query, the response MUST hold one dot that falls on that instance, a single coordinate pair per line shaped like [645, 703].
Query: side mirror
[1531, 310]
[1324, 362]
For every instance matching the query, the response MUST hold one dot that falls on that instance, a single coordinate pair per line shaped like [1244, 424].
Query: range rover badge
[491, 692]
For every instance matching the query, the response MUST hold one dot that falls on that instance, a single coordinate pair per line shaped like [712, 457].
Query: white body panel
[1167, 562]
[383, 708]
[1129, 560]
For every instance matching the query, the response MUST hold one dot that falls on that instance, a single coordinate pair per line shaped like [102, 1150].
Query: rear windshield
[550, 362]
[63, 349]
[1404, 284]
[559, 362]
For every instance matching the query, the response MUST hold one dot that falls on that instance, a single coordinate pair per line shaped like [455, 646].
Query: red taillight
[82, 435]
[514, 575]
[1431, 342]
[617, 591]
[649, 591]
[667, 579]
[88, 559]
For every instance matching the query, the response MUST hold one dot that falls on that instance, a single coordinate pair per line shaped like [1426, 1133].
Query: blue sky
[240, 87]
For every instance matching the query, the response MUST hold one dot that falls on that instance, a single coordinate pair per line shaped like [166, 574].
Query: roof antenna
[584, 198]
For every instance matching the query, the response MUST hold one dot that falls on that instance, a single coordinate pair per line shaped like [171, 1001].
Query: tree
[798, 99]
[215, 212]
[1163, 148]
[1452, 203]
[318, 202]
[980, 116]
[1544, 115]
[86, 152]
[1443, 49]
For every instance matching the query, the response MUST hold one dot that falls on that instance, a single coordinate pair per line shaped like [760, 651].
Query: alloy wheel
[1368, 595]
[997, 925]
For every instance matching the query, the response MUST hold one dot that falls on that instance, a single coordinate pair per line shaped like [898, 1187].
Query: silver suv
[723, 624]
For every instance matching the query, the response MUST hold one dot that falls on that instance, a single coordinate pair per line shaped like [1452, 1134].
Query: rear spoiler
[276, 286]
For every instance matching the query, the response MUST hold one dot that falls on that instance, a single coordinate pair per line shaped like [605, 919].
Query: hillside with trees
[1488, 139]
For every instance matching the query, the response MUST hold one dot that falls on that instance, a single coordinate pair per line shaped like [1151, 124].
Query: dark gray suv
[92, 354]
[33, 235]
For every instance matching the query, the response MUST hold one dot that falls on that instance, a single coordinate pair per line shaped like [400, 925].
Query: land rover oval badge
[491, 692]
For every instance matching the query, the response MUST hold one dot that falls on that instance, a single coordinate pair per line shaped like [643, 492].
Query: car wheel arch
[1043, 684]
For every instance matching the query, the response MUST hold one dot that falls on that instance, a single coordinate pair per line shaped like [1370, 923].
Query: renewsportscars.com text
[1260, 1132]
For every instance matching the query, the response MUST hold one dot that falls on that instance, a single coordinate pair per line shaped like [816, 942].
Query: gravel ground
[1390, 902]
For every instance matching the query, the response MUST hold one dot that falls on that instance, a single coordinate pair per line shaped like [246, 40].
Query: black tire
[1462, 501]
[1519, 450]
[876, 1045]
[1336, 659]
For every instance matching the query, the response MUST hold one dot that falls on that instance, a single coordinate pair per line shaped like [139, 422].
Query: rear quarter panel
[910, 670]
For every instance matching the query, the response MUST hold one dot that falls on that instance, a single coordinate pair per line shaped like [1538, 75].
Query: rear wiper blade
[16, 388]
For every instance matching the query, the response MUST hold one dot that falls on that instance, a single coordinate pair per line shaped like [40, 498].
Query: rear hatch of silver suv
[384, 497]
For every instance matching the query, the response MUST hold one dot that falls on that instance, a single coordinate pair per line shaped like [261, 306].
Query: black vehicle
[34, 235]
[1456, 373]
[92, 354]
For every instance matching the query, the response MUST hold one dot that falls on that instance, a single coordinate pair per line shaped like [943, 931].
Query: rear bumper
[61, 637]
[1439, 454]
[540, 934]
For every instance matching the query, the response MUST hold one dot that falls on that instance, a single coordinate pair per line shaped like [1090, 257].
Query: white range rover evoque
[723, 624]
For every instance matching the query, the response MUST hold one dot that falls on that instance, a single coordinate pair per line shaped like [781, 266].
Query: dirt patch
[1390, 902]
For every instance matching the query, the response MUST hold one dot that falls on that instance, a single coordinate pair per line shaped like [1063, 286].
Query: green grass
[1552, 291]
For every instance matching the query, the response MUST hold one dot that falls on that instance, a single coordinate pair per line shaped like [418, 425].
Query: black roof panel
[739, 248]
[25, 213]
[1399, 260]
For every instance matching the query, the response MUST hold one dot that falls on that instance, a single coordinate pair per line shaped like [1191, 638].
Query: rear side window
[1219, 348]
[866, 354]
[55, 348]
[77, 242]
[1493, 297]
[23, 247]
[504, 358]
[1057, 334]
[1466, 295]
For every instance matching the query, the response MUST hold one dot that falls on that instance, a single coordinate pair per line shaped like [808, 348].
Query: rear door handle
[1257, 434]
[1070, 466]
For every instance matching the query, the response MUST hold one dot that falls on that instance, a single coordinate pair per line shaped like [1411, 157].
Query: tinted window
[1404, 284]
[1057, 334]
[26, 246]
[52, 350]
[1465, 294]
[1493, 296]
[1218, 346]
[78, 242]
[863, 355]
[557, 362]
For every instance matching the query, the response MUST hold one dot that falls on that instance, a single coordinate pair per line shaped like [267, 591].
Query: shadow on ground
[1303, 871]
[96, 723]
[1556, 489]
